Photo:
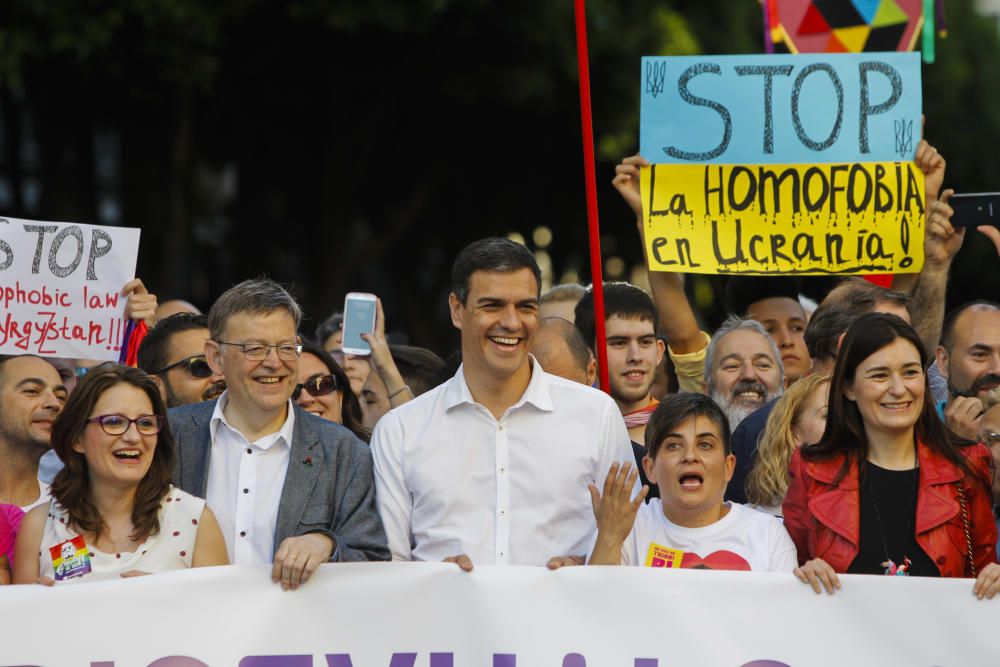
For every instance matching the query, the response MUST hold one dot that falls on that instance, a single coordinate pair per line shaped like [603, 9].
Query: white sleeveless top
[66, 558]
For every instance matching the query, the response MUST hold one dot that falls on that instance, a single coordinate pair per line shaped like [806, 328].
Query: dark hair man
[173, 352]
[285, 485]
[31, 395]
[501, 421]
[633, 350]
[969, 358]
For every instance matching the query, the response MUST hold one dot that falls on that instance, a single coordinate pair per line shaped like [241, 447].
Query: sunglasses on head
[318, 385]
[197, 366]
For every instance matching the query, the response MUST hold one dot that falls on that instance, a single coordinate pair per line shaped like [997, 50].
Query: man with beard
[173, 352]
[742, 368]
[634, 353]
[969, 357]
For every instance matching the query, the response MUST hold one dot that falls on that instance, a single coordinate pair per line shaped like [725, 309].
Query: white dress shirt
[451, 479]
[245, 480]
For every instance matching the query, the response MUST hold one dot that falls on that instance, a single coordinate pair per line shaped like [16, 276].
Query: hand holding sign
[141, 305]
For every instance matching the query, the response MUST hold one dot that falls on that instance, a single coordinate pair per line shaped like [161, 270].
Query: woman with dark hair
[324, 390]
[887, 489]
[114, 512]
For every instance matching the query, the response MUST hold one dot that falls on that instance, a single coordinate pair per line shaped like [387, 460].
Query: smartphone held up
[975, 209]
[359, 318]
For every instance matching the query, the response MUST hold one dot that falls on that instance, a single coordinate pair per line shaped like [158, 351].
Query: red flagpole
[590, 172]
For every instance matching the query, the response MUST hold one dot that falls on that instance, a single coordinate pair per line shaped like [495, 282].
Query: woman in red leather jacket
[887, 489]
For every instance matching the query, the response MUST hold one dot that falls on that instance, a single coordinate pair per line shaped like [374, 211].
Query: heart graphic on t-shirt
[717, 560]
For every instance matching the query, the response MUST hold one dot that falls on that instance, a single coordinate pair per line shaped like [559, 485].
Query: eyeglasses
[318, 385]
[119, 424]
[197, 366]
[260, 352]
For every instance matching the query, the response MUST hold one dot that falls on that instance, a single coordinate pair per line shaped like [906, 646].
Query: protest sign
[782, 164]
[789, 219]
[60, 288]
[434, 615]
[844, 107]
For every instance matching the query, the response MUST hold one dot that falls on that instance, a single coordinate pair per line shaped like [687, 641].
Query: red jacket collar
[935, 505]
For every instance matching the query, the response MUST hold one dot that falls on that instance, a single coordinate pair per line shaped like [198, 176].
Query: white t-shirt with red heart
[744, 539]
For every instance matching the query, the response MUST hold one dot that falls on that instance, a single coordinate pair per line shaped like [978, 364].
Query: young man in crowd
[173, 352]
[633, 350]
[969, 358]
[634, 354]
[501, 423]
[287, 487]
[691, 527]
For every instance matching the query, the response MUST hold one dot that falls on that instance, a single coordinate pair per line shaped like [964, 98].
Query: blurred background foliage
[340, 146]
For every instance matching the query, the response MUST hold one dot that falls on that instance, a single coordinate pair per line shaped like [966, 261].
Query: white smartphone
[359, 318]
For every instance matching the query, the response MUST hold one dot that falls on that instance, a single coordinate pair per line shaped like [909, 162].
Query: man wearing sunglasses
[173, 352]
[289, 488]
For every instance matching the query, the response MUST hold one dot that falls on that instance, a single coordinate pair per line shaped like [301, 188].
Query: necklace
[891, 568]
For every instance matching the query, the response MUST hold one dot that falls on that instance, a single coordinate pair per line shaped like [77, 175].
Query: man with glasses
[287, 487]
[173, 352]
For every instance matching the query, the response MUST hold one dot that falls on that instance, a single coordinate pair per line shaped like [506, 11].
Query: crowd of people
[856, 435]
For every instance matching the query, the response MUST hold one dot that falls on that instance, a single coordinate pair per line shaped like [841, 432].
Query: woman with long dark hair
[325, 390]
[887, 489]
[114, 512]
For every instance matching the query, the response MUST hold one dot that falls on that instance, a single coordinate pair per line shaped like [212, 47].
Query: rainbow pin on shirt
[70, 559]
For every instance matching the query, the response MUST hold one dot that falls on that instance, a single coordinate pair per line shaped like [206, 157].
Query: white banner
[60, 288]
[434, 615]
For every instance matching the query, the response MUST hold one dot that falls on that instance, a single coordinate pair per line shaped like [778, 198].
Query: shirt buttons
[501, 427]
[503, 470]
[249, 451]
[243, 533]
[503, 513]
[246, 490]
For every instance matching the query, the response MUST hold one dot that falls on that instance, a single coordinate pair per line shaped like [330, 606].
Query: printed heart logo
[717, 560]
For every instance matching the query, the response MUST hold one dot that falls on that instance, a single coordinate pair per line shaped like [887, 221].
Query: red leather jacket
[824, 519]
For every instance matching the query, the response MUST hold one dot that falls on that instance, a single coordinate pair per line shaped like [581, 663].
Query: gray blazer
[333, 494]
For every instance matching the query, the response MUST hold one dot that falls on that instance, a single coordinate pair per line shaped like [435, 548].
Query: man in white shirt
[492, 467]
[285, 485]
[31, 395]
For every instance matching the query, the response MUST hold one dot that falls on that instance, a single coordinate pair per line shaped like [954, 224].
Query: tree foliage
[357, 145]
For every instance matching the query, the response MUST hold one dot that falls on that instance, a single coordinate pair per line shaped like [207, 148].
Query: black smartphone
[974, 209]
